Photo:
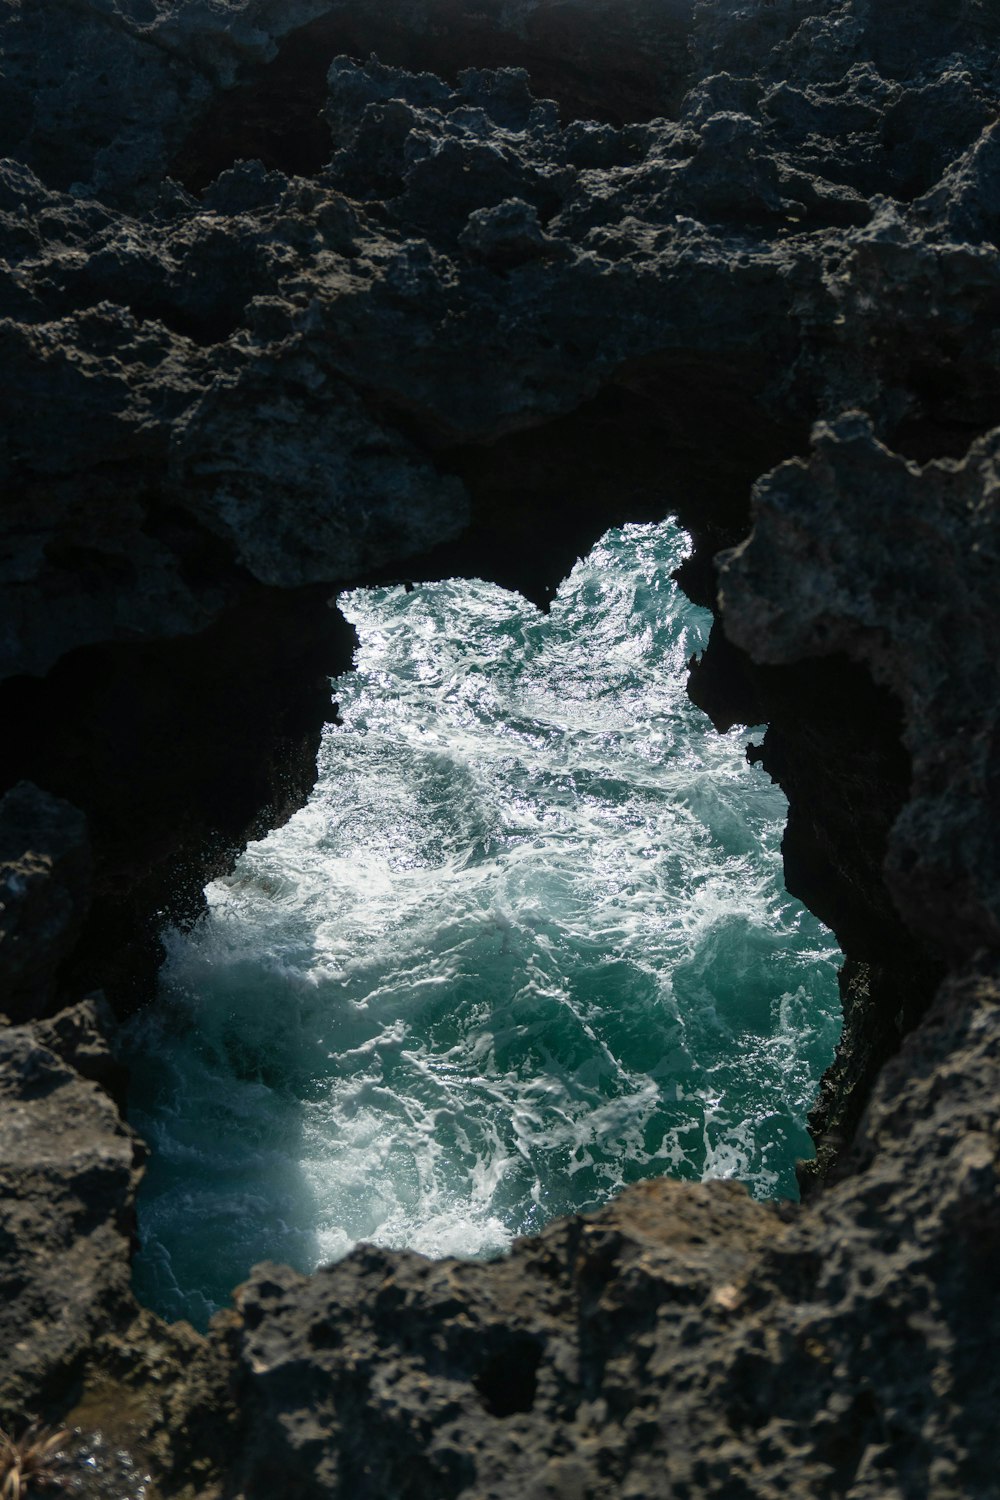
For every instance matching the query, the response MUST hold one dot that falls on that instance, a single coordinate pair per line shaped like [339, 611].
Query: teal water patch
[527, 943]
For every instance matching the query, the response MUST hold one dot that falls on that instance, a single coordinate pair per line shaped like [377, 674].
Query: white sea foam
[528, 942]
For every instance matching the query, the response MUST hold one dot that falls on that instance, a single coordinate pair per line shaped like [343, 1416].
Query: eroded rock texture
[277, 316]
[68, 1171]
[685, 1341]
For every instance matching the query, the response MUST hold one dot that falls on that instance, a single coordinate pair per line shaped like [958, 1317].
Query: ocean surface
[527, 943]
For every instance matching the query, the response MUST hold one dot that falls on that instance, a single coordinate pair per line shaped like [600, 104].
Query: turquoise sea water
[527, 943]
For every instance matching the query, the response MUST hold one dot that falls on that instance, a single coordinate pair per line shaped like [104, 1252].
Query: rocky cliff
[302, 295]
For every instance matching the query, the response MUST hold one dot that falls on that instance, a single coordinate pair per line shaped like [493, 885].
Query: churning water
[527, 943]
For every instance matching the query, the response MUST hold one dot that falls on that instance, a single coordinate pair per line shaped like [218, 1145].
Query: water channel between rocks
[528, 942]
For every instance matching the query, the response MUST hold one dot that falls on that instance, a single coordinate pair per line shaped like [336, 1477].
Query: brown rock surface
[69, 1166]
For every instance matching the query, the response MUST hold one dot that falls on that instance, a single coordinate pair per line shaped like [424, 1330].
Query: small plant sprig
[29, 1463]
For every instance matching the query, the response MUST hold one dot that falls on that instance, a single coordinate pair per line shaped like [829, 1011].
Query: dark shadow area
[955, 399]
[834, 745]
[588, 58]
[682, 436]
[508, 1381]
[177, 752]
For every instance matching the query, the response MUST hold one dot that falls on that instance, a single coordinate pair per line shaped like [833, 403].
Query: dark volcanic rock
[465, 1367]
[914, 601]
[293, 382]
[277, 316]
[310, 339]
[68, 1173]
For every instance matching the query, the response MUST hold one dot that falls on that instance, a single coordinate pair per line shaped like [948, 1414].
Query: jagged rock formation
[276, 317]
[68, 1170]
[683, 1341]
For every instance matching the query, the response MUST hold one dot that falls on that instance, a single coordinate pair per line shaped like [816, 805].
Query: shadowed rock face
[179, 751]
[45, 881]
[800, 587]
[447, 325]
[598, 59]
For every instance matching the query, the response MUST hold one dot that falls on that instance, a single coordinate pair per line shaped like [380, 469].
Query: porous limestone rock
[277, 316]
[68, 1172]
[915, 602]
